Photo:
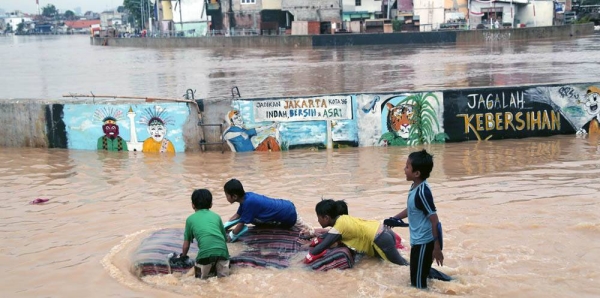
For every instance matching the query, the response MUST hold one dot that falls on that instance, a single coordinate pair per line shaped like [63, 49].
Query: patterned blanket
[264, 247]
[151, 257]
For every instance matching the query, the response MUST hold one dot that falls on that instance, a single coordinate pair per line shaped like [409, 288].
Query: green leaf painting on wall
[412, 120]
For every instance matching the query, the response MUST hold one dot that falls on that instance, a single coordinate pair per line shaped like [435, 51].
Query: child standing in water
[422, 219]
[207, 228]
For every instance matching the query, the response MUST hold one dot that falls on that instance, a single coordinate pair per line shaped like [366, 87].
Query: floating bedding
[263, 247]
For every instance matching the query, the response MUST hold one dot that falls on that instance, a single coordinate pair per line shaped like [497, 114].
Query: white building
[357, 10]
[513, 13]
[14, 19]
[430, 12]
[190, 16]
[111, 19]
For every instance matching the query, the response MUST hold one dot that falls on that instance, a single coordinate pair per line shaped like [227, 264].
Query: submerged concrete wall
[24, 123]
[533, 33]
[323, 121]
[286, 41]
[337, 40]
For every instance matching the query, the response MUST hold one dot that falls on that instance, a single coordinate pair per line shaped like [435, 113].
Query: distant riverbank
[343, 40]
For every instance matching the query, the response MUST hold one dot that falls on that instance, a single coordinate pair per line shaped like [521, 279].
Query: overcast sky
[29, 6]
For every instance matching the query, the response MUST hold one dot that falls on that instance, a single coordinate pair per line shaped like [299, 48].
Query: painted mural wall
[150, 128]
[335, 121]
[407, 119]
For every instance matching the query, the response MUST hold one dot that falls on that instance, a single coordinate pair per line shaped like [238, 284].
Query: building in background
[165, 17]
[190, 17]
[82, 26]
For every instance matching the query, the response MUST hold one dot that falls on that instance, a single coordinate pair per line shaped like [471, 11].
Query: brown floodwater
[520, 218]
[51, 66]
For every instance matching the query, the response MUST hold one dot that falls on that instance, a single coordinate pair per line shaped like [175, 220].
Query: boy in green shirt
[207, 228]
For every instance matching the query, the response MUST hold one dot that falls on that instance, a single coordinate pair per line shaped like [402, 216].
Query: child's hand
[307, 233]
[438, 255]
[394, 222]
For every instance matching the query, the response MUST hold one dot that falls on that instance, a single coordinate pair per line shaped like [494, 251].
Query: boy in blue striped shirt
[422, 219]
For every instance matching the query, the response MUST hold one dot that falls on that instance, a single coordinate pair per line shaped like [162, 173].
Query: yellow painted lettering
[468, 124]
[489, 121]
[498, 121]
[479, 122]
[518, 118]
[508, 118]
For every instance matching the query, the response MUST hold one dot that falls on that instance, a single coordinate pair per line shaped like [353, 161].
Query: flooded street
[520, 216]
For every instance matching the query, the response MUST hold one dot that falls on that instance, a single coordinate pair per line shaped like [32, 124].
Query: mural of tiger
[399, 119]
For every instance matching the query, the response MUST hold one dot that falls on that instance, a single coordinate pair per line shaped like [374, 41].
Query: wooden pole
[147, 99]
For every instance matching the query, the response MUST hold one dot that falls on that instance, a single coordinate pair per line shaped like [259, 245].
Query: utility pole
[231, 19]
[142, 15]
[341, 14]
[180, 17]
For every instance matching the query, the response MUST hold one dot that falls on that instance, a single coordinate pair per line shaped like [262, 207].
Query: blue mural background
[83, 130]
[300, 133]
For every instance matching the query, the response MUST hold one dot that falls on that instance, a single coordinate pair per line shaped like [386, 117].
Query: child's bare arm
[437, 250]
[234, 217]
[402, 215]
[185, 248]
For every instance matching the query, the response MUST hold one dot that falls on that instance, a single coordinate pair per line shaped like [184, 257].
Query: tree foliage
[69, 15]
[20, 28]
[135, 9]
[49, 10]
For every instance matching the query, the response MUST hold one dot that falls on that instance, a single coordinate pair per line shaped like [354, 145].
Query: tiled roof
[80, 24]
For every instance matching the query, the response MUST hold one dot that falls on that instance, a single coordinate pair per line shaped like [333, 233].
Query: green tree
[69, 15]
[121, 9]
[20, 28]
[135, 9]
[49, 11]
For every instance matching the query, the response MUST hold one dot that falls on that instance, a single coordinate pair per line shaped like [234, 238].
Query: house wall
[366, 5]
[167, 10]
[430, 12]
[271, 4]
[15, 21]
[194, 16]
[316, 10]
[191, 11]
[246, 16]
[457, 6]
[544, 14]
[325, 121]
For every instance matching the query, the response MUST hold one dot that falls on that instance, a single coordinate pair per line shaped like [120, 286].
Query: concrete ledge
[341, 40]
[559, 32]
[284, 41]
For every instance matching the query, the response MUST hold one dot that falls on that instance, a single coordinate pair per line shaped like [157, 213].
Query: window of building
[248, 1]
[357, 2]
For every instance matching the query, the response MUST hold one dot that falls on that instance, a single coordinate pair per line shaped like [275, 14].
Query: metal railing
[204, 33]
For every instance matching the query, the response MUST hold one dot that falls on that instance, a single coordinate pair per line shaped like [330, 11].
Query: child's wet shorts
[211, 266]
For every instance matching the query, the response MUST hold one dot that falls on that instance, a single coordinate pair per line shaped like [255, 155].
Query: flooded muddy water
[51, 66]
[520, 218]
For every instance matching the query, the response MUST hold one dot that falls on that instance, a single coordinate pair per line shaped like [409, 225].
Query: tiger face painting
[399, 119]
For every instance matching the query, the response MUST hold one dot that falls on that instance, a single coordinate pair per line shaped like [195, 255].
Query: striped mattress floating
[263, 247]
